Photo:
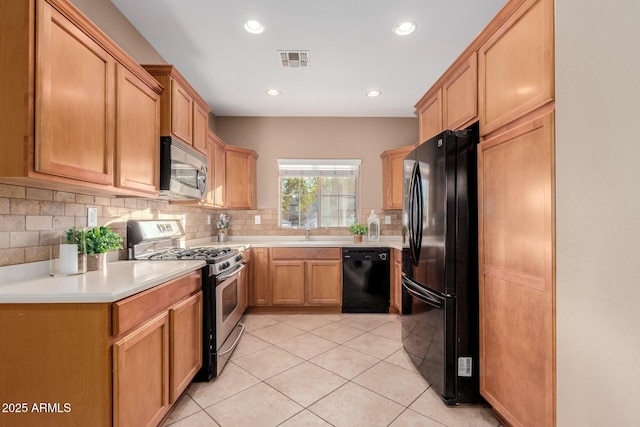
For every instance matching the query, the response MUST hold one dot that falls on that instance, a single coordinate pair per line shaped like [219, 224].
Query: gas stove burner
[209, 254]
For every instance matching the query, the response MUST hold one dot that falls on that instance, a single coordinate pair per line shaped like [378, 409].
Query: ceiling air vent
[294, 59]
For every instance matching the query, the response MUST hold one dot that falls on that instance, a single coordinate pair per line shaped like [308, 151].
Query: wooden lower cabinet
[396, 280]
[259, 282]
[287, 282]
[185, 344]
[101, 364]
[140, 374]
[304, 276]
[324, 282]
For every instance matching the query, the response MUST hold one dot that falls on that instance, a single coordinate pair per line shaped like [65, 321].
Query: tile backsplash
[31, 218]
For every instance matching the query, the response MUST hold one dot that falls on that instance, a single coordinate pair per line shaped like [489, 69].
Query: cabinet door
[240, 179]
[200, 128]
[219, 171]
[287, 282]
[75, 108]
[517, 288]
[181, 113]
[244, 288]
[460, 95]
[259, 285]
[396, 280]
[430, 117]
[324, 282]
[138, 133]
[185, 338]
[140, 374]
[393, 177]
[516, 66]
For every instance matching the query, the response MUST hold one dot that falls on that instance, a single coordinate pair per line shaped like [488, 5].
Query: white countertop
[30, 283]
[393, 242]
[120, 280]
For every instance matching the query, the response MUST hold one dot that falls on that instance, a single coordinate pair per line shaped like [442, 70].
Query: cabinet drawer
[305, 253]
[131, 311]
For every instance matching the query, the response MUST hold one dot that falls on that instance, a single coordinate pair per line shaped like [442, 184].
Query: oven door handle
[227, 274]
[235, 343]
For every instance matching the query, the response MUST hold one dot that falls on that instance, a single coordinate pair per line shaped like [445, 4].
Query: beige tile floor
[320, 370]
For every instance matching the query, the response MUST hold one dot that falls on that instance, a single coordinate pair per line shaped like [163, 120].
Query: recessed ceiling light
[272, 92]
[373, 93]
[253, 26]
[405, 28]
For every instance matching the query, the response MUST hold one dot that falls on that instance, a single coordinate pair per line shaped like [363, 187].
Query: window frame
[309, 165]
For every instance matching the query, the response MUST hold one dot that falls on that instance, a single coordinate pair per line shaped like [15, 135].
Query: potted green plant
[358, 230]
[98, 241]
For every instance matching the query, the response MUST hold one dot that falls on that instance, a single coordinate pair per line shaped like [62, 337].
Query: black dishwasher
[365, 280]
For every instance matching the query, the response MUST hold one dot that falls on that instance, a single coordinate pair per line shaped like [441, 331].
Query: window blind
[319, 167]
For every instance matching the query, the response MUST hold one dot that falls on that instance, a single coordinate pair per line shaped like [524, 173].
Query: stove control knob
[223, 266]
[238, 257]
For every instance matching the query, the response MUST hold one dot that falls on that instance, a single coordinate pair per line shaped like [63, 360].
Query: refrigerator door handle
[412, 207]
[419, 292]
[416, 213]
[420, 225]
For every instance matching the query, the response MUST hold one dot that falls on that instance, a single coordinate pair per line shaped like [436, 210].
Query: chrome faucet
[307, 234]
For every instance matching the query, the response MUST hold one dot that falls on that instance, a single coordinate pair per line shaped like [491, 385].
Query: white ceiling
[351, 43]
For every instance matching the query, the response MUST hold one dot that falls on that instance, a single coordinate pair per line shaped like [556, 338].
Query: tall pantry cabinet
[516, 216]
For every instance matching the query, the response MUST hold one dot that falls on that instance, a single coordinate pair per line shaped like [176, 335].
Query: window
[318, 193]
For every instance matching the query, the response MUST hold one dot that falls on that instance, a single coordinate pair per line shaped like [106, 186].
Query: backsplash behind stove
[31, 218]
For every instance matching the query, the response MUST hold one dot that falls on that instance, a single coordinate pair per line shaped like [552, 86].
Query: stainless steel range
[164, 240]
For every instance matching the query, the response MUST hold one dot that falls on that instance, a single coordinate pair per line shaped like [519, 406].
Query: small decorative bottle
[373, 223]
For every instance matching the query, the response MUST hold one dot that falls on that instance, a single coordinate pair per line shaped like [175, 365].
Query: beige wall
[598, 213]
[319, 137]
[108, 17]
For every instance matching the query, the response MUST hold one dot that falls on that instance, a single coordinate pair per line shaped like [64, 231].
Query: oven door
[228, 314]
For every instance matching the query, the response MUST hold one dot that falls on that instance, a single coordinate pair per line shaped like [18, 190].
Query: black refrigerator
[440, 319]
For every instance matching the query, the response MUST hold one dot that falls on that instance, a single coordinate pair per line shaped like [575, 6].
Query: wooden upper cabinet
[240, 178]
[393, 176]
[430, 116]
[200, 127]
[217, 165]
[75, 103]
[138, 133]
[183, 114]
[460, 95]
[516, 69]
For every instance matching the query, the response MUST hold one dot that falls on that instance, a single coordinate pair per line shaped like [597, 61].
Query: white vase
[222, 235]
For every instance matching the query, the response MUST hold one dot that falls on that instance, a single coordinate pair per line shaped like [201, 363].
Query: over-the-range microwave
[183, 171]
